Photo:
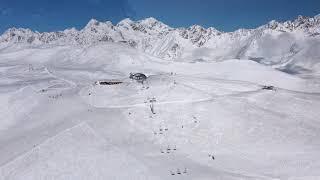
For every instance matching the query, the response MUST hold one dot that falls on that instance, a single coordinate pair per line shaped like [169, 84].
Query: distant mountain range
[292, 46]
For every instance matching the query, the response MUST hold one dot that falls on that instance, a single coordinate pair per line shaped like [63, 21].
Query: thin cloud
[129, 10]
[5, 11]
[124, 7]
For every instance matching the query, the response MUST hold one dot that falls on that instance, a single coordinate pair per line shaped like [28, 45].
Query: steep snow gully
[203, 113]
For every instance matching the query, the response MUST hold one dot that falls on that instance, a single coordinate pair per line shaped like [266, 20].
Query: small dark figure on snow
[185, 171]
[172, 173]
[211, 156]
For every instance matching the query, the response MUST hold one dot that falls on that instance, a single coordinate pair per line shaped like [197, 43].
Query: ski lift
[152, 109]
[272, 88]
[139, 77]
[175, 148]
[185, 171]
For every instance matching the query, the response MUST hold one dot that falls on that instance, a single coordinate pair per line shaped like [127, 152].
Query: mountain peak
[125, 21]
[149, 20]
[196, 27]
[153, 22]
[92, 22]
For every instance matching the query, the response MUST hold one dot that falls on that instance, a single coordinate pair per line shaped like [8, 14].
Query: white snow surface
[201, 100]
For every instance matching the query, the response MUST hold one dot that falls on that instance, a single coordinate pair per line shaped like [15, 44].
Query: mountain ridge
[275, 43]
[300, 23]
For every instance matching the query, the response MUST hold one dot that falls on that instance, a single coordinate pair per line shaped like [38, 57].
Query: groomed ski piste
[201, 121]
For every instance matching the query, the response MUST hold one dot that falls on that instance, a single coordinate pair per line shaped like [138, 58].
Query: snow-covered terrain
[203, 112]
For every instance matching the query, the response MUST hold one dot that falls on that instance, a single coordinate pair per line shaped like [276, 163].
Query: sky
[225, 15]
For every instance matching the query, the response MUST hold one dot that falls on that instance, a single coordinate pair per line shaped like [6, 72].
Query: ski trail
[72, 84]
[185, 101]
[35, 147]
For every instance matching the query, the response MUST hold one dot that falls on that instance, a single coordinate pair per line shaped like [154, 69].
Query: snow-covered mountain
[281, 44]
[217, 108]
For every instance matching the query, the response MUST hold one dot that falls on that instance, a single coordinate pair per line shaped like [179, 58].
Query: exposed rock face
[306, 24]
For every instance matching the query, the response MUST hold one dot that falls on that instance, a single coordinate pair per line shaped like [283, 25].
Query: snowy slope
[56, 123]
[203, 98]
